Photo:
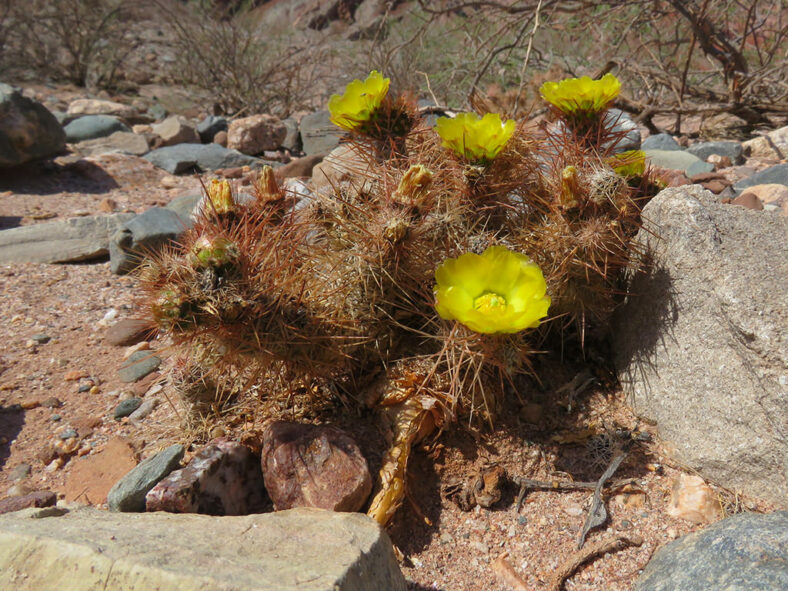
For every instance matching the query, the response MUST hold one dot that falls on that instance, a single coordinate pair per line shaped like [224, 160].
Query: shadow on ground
[47, 178]
[12, 418]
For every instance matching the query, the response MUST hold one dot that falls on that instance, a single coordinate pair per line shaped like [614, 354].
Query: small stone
[94, 390]
[314, 466]
[138, 365]
[30, 404]
[84, 387]
[108, 205]
[19, 472]
[719, 161]
[41, 339]
[18, 490]
[42, 498]
[141, 387]
[128, 494]
[52, 402]
[144, 409]
[68, 434]
[76, 374]
[55, 418]
[715, 186]
[126, 407]
[254, 134]
[55, 465]
[573, 510]
[169, 182]
[220, 138]
[692, 499]
[748, 200]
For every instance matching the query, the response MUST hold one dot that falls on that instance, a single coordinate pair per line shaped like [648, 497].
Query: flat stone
[28, 131]
[732, 150]
[42, 498]
[81, 107]
[137, 366]
[92, 127]
[128, 493]
[777, 175]
[126, 407]
[746, 552]
[143, 235]
[660, 141]
[314, 466]
[197, 157]
[300, 550]
[318, 134]
[224, 478]
[90, 478]
[129, 331]
[69, 241]
[119, 142]
[700, 344]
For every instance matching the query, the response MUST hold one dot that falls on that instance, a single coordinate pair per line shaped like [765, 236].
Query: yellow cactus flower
[631, 163]
[221, 195]
[573, 96]
[473, 138]
[356, 106]
[498, 291]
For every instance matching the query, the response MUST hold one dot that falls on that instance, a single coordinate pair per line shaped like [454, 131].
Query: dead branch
[577, 559]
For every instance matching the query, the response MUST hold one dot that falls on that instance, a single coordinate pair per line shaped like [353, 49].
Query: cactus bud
[266, 186]
[414, 185]
[213, 252]
[570, 187]
[221, 195]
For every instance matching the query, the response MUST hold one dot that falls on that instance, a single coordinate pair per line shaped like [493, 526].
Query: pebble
[68, 434]
[30, 404]
[20, 472]
[52, 403]
[85, 388]
[111, 314]
[144, 409]
[128, 494]
[143, 346]
[75, 374]
[55, 418]
[128, 331]
[138, 365]
[55, 464]
[127, 407]
[41, 338]
[94, 390]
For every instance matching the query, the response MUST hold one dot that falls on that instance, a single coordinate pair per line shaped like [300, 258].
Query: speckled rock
[746, 552]
[128, 493]
[138, 365]
[28, 131]
[222, 479]
[314, 466]
[255, 134]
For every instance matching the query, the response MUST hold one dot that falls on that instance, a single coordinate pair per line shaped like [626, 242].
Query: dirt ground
[71, 381]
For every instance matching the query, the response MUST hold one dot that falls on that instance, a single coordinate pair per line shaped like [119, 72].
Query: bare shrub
[242, 69]
[80, 41]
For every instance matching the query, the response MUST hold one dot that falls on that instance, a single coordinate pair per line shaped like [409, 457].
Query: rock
[199, 157]
[129, 331]
[344, 165]
[692, 499]
[220, 138]
[144, 234]
[774, 145]
[137, 366]
[92, 127]
[622, 123]
[748, 200]
[28, 131]
[301, 550]
[777, 175]
[671, 178]
[660, 141]
[314, 466]
[157, 112]
[700, 345]
[126, 407]
[90, 478]
[184, 204]
[69, 241]
[42, 498]
[253, 135]
[744, 552]
[719, 161]
[19, 472]
[318, 134]
[176, 130]
[732, 150]
[678, 160]
[120, 142]
[292, 139]
[300, 167]
[81, 107]
[768, 194]
[209, 127]
[144, 409]
[128, 493]
[222, 479]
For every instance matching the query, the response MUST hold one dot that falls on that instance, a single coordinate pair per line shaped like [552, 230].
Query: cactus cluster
[416, 287]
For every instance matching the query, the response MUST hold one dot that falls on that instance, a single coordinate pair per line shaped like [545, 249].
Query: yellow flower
[581, 95]
[355, 107]
[499, 291]
[473, 138]
[631, 163]
[221, 195]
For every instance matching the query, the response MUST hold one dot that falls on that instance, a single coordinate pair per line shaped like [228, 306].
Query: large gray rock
[660, 141]
[93, 126]
[703, 150]
[200, 157]
[120, 142]
[701, 346]
[777, 175]
[128, 493]
[144, 234]
[318, 134]
[622, 124]
[209, 127]
[28, 131]
[69, 241]
[299, 550]
[746, 552]
[678, 160]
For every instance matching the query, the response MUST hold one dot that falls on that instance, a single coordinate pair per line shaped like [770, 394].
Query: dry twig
[572, 563]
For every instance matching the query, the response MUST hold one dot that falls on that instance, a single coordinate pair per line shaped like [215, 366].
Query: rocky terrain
[694, 389]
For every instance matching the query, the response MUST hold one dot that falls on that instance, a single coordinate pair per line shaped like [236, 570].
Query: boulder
[28, 131]
[255, 134]
[120, 142]
[209, 127]
[300, 550]
[678, 160]
[700, 345]
[81, 107]
[774, 145]
[92, 127]
[345, 165]
[128, 493]
[746, 552]
[660, 141]
[314, 466]
[732, 150]
[197, 157]
[318, 134]
[69, 241]
[774, 175]
[292, 140]
[176, 130]
[144, 234]
[224, 478]
[622, 123]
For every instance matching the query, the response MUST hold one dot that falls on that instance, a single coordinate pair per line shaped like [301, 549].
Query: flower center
[490, 303]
